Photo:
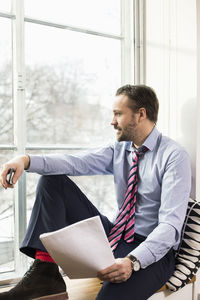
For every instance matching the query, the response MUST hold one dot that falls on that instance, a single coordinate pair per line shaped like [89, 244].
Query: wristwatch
[135, 263]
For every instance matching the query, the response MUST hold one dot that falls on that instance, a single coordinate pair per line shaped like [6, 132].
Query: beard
[127, 133]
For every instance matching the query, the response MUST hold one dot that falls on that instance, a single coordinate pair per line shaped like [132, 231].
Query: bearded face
[124, 120]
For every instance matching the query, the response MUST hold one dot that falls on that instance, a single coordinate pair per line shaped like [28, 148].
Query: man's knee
[50, 180]
[50, 187]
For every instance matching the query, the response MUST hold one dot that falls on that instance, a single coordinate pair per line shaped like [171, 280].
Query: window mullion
[127, 44]
[140, 41]
[19, 127]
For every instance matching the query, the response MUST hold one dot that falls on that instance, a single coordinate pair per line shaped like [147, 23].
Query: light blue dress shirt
[163, 187]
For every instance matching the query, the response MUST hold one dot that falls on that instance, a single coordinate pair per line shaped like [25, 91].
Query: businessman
[152, 179]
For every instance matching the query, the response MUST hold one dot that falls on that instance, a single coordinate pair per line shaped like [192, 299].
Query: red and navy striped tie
[124, 224]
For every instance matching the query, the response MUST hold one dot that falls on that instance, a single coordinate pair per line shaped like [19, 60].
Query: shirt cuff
[144, 256]
[36, 164]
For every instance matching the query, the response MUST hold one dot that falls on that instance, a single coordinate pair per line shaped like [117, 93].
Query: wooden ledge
[84, 289]
[87, 289]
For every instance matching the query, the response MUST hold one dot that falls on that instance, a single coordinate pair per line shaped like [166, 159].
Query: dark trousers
[59, 202]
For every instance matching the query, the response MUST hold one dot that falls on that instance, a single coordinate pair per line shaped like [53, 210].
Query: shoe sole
[62, 296]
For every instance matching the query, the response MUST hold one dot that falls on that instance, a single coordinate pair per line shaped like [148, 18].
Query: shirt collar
[150, 141]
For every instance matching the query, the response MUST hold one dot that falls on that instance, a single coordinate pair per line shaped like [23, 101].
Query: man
[152, 178]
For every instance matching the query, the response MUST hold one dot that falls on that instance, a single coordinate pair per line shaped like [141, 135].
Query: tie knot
[138, 154]
[143, 150]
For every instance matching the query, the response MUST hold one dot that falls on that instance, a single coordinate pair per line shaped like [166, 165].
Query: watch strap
[135, 262]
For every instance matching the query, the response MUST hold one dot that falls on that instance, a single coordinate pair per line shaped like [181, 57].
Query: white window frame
[140, 41]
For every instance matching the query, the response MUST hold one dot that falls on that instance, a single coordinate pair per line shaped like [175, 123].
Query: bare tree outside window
[58, 108]
[6, 120]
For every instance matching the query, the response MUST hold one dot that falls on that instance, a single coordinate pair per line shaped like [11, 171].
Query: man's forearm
[26, 160]
[157, 244]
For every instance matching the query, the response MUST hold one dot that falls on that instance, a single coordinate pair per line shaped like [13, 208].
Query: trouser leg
[142, 284]
[59, 202]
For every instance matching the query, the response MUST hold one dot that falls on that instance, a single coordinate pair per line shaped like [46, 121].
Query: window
[84, 14]
[6, 223]
[6, 121]
[60, 68]
[5, 5]
[70, 75]
[6, 133]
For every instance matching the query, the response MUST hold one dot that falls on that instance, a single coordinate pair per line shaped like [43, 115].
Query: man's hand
[18, 164]
[117, 273]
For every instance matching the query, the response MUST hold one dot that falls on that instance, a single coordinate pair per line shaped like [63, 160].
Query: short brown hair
[141, 96]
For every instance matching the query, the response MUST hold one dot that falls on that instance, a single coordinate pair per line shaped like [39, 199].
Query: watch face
[136, 265]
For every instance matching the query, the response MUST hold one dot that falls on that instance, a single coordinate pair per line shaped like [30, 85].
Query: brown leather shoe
[42, 281]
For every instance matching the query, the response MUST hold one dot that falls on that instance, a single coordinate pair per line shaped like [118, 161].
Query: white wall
[198, 102]
[171, 69]
[197, 283]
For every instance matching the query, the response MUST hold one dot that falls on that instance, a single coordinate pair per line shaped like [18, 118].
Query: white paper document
[81, 249]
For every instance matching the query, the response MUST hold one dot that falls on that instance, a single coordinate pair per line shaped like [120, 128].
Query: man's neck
[143, 137]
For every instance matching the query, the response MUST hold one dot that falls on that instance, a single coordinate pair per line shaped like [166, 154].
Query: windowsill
[11, 278]
[8, 279]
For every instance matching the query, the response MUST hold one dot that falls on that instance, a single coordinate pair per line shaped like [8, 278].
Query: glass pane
[71, 82]
[6, 222]
[94, 14]
[6, 123]
[98, 189]
[5, 5]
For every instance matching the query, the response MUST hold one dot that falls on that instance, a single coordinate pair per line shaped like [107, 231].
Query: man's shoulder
[168, 142]
[170, 147]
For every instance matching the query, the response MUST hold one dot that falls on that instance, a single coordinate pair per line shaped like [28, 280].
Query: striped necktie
[124, 224]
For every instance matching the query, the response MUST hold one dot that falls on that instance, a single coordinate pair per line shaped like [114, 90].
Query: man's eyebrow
[116, 110]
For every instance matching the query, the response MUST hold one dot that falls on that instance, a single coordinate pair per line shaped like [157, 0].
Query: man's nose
[113, 122]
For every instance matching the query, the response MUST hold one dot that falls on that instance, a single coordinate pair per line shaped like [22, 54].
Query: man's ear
[142, 113]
